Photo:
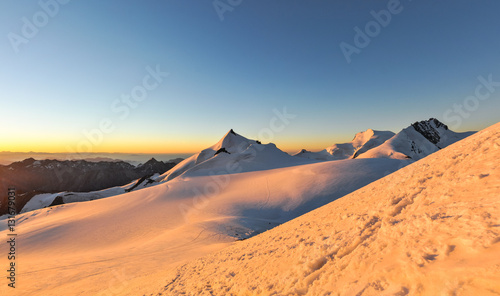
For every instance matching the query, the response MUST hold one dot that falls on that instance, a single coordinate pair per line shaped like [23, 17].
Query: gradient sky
[232, 73]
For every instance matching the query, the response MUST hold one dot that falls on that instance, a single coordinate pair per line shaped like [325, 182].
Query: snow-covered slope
[361, 143]
[125, 244]
[431, 228]
[43, 200]
[417, 141]
[233, 154]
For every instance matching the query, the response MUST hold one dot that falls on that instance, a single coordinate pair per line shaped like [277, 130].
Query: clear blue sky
[232, 73]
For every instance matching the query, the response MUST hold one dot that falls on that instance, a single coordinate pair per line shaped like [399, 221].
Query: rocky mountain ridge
[31, 177]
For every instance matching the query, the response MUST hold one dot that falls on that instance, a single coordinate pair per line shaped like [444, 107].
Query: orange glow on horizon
[147, 145]
[138, 148]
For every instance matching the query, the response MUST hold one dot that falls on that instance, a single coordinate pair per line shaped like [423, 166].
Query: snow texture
[431, 228]
[128, 243]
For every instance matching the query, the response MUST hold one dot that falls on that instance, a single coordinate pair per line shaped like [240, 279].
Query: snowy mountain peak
[363, 136]
[233, 154]
[431, 129]
[302, 151]
[362, 142]
[414, 142]
[417, 141]
[232, 142]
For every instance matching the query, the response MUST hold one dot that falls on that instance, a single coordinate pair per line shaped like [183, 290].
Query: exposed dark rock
[153, 166]
[21, 199]
[221, 150]
[415, 148]
[427, 128]
[28, 161]
[356, 154]
[139, 182]
[57, 201]
[31, 177]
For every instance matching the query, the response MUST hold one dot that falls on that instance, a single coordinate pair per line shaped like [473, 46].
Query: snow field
[142, 235]
[431, 228]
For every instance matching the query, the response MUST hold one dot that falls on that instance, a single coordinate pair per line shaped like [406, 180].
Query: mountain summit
[414, 142]
[362, 142]
[417, 141]
[431, 129]
[233, 153]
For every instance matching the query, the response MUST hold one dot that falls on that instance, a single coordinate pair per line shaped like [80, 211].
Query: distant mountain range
[235, 153]
[239, 188]
[31, 177]
[39, 181]
[414, 142]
